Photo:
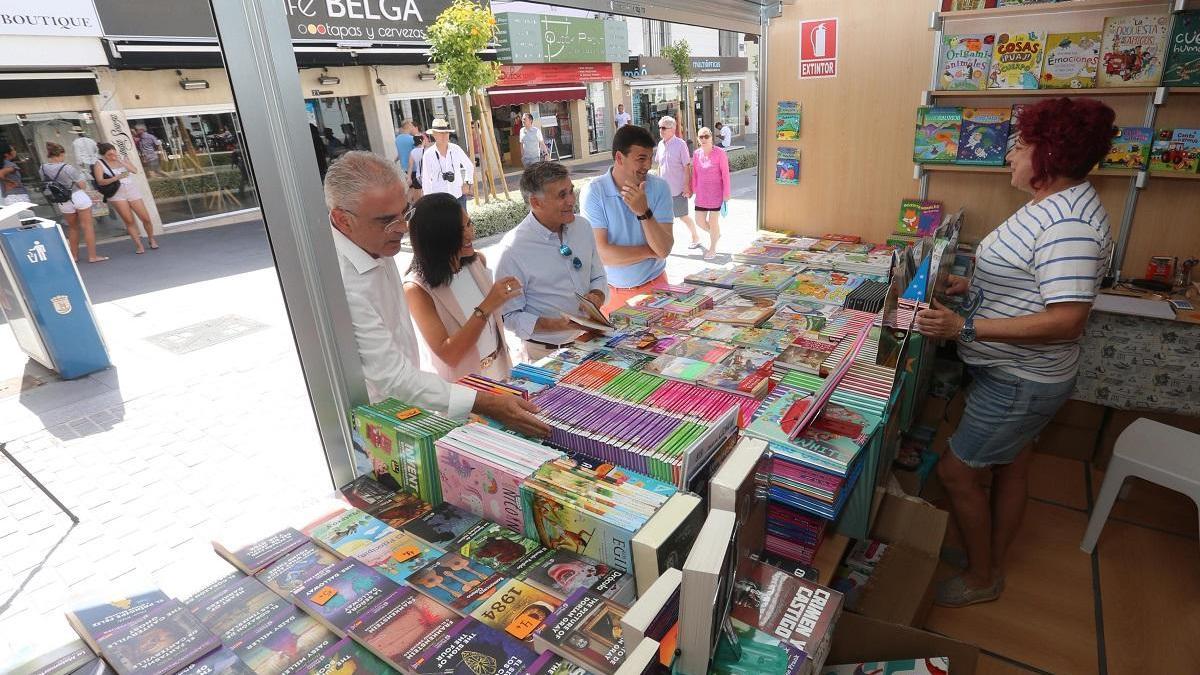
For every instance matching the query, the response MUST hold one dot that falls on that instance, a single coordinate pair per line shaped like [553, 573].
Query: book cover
[286, 574]
[1072, 60]
[1183, 51]
[1017, 60]
[919, 217]
[791, 609]
[553, 664]
[1130, 149]
[456, 581]
[1175, 151]
[347, 657]
[504, 550]
[238, 610]
[398, 555]
[561, 523]
[586, 630]
[340, 594]
[807, 355]
[72, 657]
[1132, 50]
[442, 525]
[743, 372]
[471, 648]
[937, 133]
[256, 555]
[756, 652]
[562, 573]
[350, 531]
[400, 509]
[287, 644]
[1013, 128]
[787, 121]
[366, 493]
[404, 624]
[163, 640]
[216, 587]
[983, 139]
[220, 662]
[92, 619]
[965, 61]
[517, 608]
[787, 166]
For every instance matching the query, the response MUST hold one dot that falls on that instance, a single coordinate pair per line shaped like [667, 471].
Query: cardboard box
[901, 588]
[858, 639]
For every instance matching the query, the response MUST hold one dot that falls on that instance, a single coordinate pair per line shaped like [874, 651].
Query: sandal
[954, 592]
[695, 245]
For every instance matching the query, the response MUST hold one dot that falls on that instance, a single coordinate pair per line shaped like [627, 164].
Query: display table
[1140, 363]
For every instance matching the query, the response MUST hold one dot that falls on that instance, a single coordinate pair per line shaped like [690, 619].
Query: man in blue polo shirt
[631, 216]
[404, 144]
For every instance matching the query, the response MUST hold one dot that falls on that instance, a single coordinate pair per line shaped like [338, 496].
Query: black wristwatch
[647, 215]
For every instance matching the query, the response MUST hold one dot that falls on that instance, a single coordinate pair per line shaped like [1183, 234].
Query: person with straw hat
[445, 167]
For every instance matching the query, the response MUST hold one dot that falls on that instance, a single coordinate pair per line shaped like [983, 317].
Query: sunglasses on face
[566, 253]
[704, 136]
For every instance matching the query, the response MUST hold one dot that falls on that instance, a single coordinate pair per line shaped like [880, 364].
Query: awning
[45, 84]
[543, 93]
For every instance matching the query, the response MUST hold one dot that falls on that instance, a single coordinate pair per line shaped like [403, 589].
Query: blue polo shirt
[404, 147]
[605, 210]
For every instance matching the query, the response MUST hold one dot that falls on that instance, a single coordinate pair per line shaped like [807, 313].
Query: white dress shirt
[434, 163]
[387, 342]
[623, 118]
[549, 281]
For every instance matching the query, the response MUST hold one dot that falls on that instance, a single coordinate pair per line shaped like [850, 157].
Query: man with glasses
[674, 164]
[553, 255]
[369, 212]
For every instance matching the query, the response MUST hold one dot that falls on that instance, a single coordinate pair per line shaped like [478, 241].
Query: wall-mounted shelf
[967, 168]
[1057, 8]
[1175, 175]
[1017, 93]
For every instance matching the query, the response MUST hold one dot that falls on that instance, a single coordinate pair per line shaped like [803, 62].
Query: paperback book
[240, 608]
[965, 61]
[442, 525]
[287, 644]
[984, 136]
[93, 619]
[796, 611]
[400, 627]
[1130, 149]
[1017, 60]
[1183, 56]
[222, 661]
[517, 608]
[918, 216]
[787, 121]
[347, 657]
[787, 166]
[585, 629]
[348, 531]
[398, 555]
[666, 539]
[504, 550]
[401, 436]
[251, 557]
[286, 574]
[161, 641]
[1132, 50]
[1176, 151]
[457, 582]
[562, 573]
[471, 648]
[756, 652]
[339, 595]
[1072, 60]
[806, 355]
[937, 134]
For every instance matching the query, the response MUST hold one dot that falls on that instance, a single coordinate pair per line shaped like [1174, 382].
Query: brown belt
[547, 345]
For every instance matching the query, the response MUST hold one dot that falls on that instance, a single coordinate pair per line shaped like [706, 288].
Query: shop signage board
[552, 38]
[60, 18]
[553, 73]
[818, 48]
[654, 66]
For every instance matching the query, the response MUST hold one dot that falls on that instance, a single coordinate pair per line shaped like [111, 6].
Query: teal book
[756, 653]
[937, 134]
[349, 531]
[1183, 51]
[341, 594]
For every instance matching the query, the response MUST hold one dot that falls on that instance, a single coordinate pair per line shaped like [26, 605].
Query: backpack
[54, 191]
[107, 191]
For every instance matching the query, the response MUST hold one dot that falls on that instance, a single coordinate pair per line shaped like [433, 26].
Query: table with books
[724, 438]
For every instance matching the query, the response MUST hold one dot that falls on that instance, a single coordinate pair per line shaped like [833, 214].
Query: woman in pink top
[710, 184]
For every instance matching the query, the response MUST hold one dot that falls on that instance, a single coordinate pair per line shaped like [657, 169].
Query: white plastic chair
[1151, 451]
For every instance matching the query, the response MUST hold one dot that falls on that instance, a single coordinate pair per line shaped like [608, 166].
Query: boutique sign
[362, 20]
[60, 18]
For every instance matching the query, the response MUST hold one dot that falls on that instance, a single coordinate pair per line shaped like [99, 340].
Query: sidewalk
[202, 426]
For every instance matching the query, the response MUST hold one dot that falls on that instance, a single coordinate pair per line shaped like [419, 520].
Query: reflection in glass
[341, 123]
[651, 104]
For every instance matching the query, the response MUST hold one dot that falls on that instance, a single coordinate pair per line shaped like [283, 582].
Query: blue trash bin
[43, 298]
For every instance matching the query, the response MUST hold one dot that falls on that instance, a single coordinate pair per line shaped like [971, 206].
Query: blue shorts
[1003, 414]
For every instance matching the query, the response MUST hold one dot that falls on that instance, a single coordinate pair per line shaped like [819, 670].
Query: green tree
[680, 56]
[455, 40]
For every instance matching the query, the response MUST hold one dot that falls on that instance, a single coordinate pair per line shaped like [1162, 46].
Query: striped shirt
[1055, 250]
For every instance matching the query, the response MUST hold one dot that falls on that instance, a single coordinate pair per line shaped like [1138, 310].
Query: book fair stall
[740, 469]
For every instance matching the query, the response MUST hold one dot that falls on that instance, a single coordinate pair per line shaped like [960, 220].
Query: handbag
[54, 191]
[110, 190]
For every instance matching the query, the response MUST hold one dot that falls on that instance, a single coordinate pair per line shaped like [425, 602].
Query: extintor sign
[818, 48]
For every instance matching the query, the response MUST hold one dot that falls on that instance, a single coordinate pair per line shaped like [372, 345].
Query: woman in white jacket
[445, 167]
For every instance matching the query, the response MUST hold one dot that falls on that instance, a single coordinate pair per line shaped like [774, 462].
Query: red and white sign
[554, 73]
[818, 48]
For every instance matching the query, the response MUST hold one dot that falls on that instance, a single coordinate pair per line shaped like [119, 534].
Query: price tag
[406, 553]
[324, 595]
[408, 413]
[523, 626]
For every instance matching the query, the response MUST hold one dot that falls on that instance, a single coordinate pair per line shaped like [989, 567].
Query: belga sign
[362, 20]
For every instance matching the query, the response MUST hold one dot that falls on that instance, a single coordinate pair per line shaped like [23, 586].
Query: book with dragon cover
[937, 133]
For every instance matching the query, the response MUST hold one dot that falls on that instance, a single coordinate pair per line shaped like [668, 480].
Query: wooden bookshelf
[967, 168]
[829, 555]
[1016, 93]
[1056, 8]
[1175, 175]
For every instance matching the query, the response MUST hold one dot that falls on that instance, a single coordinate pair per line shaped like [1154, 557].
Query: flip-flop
[140, 252]
[695, 245]
[154, 246]
[100, 259]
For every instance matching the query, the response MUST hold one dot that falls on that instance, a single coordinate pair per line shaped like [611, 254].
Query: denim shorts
[1003, 414]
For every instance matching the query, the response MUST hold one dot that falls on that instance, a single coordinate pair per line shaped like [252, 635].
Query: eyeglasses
[704, 136]
[566, 253]
[392, 224]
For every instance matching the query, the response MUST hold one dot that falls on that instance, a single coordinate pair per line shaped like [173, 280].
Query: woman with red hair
[1026, 306]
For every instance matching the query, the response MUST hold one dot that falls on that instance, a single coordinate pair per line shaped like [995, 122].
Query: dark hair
[1067, 136]
[54, 149]
[630, 135]
[436, 231]
[5, 149]
[103, 148]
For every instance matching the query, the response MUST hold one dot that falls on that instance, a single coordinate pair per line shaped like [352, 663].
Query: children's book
[401, 626]
[1130, 149]
[1176, 151]
[701, 349]
[965, 61]
[787, 121]
[937, 133]
[984, 137]
[1017, 60]
[1132, 50]
[1183, 57]
[1072, 60]
[518, 609]
[919, 217]
[806, 355]
[787, 166]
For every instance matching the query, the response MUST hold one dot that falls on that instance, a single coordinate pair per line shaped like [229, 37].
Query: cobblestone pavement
[169, 448]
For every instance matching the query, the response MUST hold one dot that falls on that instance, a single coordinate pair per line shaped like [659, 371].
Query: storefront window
[600, 117]
[195, 164]
[422, 112]
[729, 106]
[507, 121]
[340, 122]
[28, 135]
[651, 104]
[555, 119]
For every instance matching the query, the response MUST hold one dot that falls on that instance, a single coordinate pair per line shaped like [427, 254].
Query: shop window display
[651, 104]
[341, 123]
[422, 111]
[195, 164]
[600, 118]
[555, 120]
[729, 106]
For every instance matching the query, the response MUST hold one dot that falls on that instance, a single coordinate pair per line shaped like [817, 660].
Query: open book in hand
[592, 313]
[602, 328]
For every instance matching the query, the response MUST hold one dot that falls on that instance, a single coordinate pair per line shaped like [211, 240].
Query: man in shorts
[674, 164]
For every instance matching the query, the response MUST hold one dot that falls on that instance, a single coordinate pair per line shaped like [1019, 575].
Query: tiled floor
[1132, 607]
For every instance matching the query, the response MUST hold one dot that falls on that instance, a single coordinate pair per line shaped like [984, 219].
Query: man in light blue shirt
[404, 144]
[631, 216]
[553, 255]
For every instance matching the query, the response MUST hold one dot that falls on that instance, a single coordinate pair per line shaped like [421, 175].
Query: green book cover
[1183, 51]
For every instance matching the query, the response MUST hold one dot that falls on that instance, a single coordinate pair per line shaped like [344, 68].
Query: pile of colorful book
[400, 439]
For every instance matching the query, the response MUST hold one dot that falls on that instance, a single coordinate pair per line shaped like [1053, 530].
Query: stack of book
[783, 241]
[806, 355]
[868, 297]
[829, 288]
[401, 437]
[761, 254]
[800, 318]
[765, 281]
[745, 371]
[738, 315]
[721, 277]
[635, 316]
[535, 374]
